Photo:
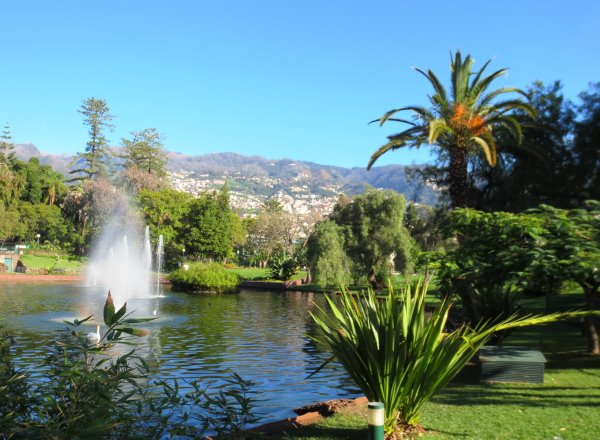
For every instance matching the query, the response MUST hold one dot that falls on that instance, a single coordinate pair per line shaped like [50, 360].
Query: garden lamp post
[375, 419]
[38, 237]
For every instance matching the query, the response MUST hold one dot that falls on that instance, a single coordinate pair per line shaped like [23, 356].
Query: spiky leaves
[398, 356]
[467, 121]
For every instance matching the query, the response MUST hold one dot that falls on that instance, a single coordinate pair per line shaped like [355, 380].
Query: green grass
[258, 274]
[46, 262]
[565, 407]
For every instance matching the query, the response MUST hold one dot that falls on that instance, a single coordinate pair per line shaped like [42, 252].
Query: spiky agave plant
[398, 356]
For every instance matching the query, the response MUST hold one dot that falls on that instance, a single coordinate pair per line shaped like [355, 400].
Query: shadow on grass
[540, 396]
[324, 433]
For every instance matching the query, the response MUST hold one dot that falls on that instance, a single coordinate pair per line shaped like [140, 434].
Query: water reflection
[263, 336]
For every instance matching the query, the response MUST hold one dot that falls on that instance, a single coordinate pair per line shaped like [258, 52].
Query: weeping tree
[465, 121]
[397, 356]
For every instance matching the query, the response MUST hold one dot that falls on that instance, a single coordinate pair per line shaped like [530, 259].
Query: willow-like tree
[466, 121]
[93, 162]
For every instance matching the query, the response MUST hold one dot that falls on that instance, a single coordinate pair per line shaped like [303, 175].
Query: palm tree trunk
[458, 185]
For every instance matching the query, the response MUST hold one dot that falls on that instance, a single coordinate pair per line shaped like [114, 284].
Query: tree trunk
[376, 284]
[591, 332]
[458, 182]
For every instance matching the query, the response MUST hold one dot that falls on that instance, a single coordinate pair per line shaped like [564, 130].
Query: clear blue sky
[279, 78]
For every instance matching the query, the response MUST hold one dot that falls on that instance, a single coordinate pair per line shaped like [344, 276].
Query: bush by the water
[201, 277]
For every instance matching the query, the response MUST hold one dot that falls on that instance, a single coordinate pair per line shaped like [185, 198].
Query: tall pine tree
[94, 161]
[7, 147]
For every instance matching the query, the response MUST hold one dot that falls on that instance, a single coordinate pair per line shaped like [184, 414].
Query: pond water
[263, 336]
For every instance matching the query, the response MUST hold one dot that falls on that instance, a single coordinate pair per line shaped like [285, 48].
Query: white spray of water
[147, 249]
[122, 260]
[159, 261]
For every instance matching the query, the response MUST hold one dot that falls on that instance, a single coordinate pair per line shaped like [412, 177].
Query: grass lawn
[255, 273]
[565, 407]
[50, 262]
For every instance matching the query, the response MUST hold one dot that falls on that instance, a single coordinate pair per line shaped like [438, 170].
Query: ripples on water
[263, 336]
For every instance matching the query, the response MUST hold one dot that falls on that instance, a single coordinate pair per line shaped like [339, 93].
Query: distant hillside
[351, 180]
[285, 171]
[60, 162]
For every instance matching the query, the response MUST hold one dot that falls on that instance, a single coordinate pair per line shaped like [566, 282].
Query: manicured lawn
[47, 262]
[565, 407]
[254, 273]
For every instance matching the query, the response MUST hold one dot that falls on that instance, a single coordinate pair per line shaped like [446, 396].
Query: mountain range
[272, 175]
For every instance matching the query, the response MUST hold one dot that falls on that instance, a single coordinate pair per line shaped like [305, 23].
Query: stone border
[322, 410]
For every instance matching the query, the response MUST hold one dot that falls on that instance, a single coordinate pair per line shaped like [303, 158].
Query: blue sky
[280, 79]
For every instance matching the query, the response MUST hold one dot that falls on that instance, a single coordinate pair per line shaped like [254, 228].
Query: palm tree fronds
[489, 149]
[513, 104]
[481, 86]
[490, 96]
[436, 128]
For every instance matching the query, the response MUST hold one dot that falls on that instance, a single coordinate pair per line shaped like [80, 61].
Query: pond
[264, 336]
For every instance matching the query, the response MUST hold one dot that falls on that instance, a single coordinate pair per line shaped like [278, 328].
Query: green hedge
[201, 277]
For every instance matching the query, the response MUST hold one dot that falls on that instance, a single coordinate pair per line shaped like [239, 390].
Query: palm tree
[467, 121]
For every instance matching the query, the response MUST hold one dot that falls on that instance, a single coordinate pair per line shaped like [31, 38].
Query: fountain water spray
[159, 261]
[122, 260]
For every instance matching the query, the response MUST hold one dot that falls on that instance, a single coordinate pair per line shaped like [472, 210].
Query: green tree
[11, 227]
[504, 254]
[570, 250]
[47, 221]
[7, 147]
[542, 169]
[328, 262]
[90, 206]
[271, 232]
[374, 232]
[272, 206]
[467, 120]
[209, 228]
[165, 210]
[32, 171]
[586, 146]
[145, 150]
[93, 162]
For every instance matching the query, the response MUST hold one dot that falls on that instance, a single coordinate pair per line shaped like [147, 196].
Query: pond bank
[311, 414]
[27, 278]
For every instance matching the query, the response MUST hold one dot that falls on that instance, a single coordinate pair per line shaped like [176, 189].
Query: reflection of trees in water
[317, 352]
[262, 336]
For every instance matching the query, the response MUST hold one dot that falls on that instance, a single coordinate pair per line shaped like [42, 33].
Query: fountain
[122, 260]
[159, 260]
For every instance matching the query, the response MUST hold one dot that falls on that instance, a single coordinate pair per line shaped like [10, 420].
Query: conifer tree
[7, 147]
[145, 150]
[94, 161]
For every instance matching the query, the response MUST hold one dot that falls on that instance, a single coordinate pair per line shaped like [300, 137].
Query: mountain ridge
[278, 173]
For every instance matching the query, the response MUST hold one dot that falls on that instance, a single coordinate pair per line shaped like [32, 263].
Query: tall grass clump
[399, 355]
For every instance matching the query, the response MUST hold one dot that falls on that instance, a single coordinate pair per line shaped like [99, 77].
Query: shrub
[201, 277]
[283, 267]
[398, 357]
